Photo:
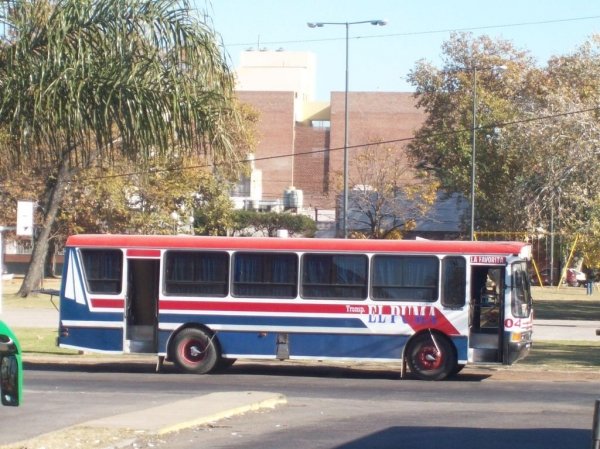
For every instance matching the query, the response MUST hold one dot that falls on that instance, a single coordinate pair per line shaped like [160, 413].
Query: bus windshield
[521, 293]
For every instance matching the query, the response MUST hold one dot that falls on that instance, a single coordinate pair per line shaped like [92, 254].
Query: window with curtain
[335, 276]
[103, 270]
[454, 281]
[405, 278]
[265, 275]
[196, 273]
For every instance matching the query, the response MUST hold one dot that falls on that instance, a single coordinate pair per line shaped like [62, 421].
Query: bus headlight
[518, 337]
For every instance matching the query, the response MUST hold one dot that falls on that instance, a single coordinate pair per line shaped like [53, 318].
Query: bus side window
[453, 282]
[103, 270]
[265, 275]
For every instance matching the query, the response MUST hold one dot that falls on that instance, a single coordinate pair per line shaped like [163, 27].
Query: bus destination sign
[488, 260]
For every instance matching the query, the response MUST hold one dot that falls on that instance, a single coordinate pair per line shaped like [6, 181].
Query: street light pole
[376, 22]
[346, 120]
[500, 69]
[473, 152]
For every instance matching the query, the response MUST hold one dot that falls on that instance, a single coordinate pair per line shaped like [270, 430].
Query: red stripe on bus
[294, 244]
[198, 306]
[103, 303]
[429, 318]
[155, 253]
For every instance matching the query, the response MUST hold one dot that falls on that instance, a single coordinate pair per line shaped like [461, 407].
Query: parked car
[545, 277]
[576, 278]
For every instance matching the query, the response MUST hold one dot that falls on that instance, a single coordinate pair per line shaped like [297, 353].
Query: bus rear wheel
[431, 357]
[195, 351]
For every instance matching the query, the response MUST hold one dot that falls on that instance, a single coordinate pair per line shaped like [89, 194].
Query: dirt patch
[533, 374]
[78, 438]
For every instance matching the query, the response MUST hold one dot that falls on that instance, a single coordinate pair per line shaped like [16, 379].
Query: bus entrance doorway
[141, 308]
[486, 314]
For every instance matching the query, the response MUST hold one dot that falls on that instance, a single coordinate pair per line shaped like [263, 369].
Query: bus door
[141, 305]
[486, 313]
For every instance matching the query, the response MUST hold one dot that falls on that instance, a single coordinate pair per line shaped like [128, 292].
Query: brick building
[300, 140]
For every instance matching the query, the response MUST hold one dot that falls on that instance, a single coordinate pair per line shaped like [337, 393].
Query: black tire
[431, 356]
[195, 351]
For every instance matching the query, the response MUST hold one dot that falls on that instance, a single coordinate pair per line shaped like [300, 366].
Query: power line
[426, 32]
[362, 145]
[350, 147]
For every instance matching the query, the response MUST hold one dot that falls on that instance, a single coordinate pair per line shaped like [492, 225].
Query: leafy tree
[443, 145]
[563, 185]
[388, 196]
[214, 214]
[84, 80]
[268, 223]
[540, 170]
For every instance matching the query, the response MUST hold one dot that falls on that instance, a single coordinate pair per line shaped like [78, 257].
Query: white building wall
[281, 71]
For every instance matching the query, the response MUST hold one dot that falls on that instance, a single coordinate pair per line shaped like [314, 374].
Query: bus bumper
[518, 345]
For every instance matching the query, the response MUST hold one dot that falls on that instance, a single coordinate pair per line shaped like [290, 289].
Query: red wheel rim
[192, 351]
[429, 358]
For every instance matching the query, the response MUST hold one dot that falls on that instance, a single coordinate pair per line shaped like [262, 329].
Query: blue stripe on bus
[315, 345]
[100, 339]
[323, 345]
[73, 311]
[265, 344]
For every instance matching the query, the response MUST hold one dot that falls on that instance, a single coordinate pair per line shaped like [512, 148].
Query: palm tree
[83, 80]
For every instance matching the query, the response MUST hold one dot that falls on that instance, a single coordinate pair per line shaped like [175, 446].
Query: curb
[190, 412]
[126, 429]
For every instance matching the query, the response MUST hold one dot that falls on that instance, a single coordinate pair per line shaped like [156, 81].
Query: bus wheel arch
[195, 349]
[431, 355]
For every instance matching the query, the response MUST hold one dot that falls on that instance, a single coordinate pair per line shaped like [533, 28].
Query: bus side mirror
[9, 380]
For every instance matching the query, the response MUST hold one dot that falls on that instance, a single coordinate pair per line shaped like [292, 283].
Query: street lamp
[376, 22]
[497, 69]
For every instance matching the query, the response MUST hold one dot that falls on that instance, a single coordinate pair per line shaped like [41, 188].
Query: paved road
[321, 406]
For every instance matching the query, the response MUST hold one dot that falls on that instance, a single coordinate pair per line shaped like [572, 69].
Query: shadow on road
[471, 438]
[268, 368]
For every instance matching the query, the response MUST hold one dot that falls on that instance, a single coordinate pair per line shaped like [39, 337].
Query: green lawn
[564, 354]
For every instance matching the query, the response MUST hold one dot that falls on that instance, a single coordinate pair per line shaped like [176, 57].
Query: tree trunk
[50, 263]
[55, 194]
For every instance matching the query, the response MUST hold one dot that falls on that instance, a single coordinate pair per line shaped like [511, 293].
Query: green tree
[83, 80]
[562, 189]
[214, 214]
[443, 145]
[268, 223]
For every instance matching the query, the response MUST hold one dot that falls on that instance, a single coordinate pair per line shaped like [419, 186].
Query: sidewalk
[570, 330]
[125, 429]
[30, 317]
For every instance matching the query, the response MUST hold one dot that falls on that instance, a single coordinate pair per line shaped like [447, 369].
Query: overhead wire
[355, 146]
[327, 150]
[421, 33]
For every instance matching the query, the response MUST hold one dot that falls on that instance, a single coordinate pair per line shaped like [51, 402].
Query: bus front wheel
[195, 351]
[431, 356]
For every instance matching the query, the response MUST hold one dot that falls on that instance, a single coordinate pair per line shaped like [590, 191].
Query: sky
[380, 58]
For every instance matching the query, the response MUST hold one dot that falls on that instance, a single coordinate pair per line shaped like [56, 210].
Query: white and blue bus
[203, 302]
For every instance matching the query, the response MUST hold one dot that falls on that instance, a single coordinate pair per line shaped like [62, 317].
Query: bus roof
[295, 244]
